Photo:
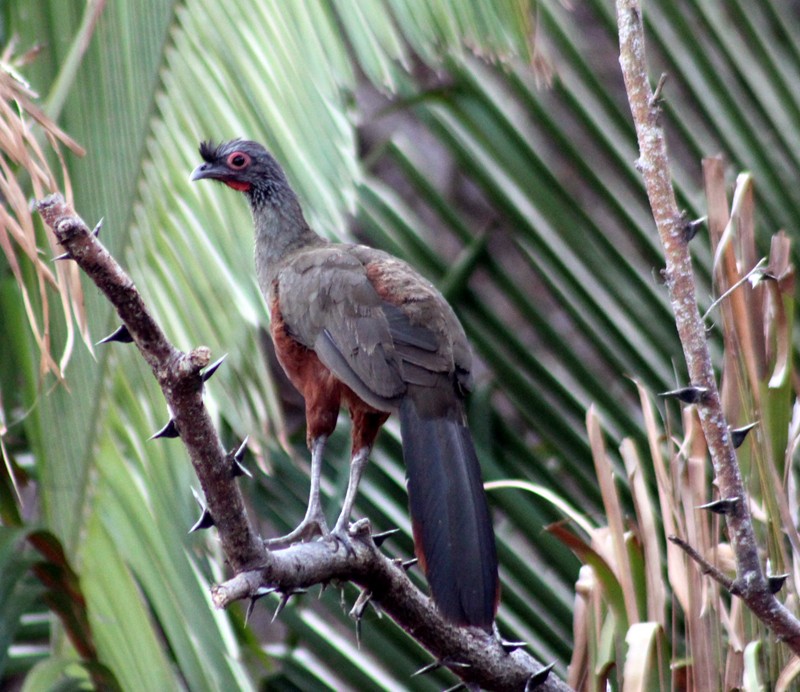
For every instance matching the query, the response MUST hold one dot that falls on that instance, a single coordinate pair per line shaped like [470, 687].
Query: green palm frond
[523, 203]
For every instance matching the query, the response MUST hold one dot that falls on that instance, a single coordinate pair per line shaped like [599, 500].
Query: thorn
[260, 592]
[238, 469]
[238, 455]
[358, 633]
[434, 665]
[281, 605]
[357, 612]
[376, 606]
[539, 678]
[690, 228]
[510, 647]
[64, 256]
[457, 686]
[724, 506]
[688, 395]
[408, 564]
[120, 334]
[380, 538]
[776, 582]
[738, 435]
[759, 273]
[285, 596]
[446, 661]
[170, 430]
[656, 97]
[98, 226]
[206, 521]
[752, 276]
[251, 604]
[211, 369]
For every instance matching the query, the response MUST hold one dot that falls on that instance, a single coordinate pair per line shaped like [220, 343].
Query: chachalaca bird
[354, 326]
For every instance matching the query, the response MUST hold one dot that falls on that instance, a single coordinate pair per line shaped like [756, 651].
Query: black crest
[211, 152]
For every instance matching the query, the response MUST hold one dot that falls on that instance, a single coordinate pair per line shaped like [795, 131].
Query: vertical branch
[750, 583]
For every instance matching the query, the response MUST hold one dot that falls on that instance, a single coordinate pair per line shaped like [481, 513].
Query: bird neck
[281, 231]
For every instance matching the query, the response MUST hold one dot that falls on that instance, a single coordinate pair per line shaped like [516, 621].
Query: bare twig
[705, 566]
[756, 272]
[750, 583]
[256, 570]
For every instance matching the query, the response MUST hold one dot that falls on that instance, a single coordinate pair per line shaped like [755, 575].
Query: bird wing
[373, 321]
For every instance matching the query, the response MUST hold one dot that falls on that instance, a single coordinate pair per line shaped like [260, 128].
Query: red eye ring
[238, 160]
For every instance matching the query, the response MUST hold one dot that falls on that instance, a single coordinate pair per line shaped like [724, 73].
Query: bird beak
[218, 171]
[205, 170]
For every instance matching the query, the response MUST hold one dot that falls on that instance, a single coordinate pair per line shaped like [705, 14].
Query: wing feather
[376, 323]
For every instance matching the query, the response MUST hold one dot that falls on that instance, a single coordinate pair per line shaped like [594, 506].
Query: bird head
[242, 165]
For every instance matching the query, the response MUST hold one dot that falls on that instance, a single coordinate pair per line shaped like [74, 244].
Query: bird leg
[313, 523]
[357, 465]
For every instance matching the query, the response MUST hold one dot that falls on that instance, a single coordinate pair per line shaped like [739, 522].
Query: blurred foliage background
[488, 143]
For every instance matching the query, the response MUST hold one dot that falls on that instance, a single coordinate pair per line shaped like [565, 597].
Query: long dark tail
[453, 534]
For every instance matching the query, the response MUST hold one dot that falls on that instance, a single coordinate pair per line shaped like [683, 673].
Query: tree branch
[750, 583]
[475, 656]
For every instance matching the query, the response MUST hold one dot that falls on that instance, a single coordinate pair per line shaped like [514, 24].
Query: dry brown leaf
[25, 172]
[646, 519]
[614, 514]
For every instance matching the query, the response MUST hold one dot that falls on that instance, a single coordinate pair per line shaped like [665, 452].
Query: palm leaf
[524, 204]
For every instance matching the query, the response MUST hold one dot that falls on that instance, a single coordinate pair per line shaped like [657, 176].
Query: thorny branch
[477, 657]
[750, 583]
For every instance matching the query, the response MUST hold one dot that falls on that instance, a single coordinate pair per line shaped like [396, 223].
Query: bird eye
[238, 160]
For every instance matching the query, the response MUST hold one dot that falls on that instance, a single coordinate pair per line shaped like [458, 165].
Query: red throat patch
[239, 185]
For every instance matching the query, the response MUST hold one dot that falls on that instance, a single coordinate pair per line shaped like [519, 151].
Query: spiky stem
[750, 583]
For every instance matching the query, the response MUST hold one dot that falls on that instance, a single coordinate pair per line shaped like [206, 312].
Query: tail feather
[452, 526]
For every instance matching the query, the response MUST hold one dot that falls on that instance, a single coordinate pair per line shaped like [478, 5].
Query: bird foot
[342, 534]
[311, 527]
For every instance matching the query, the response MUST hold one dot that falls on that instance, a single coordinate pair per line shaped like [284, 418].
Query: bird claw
[341, 536]
[309, 528]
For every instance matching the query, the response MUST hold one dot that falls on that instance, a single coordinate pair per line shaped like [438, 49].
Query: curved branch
[750, 584]
[477, 657]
